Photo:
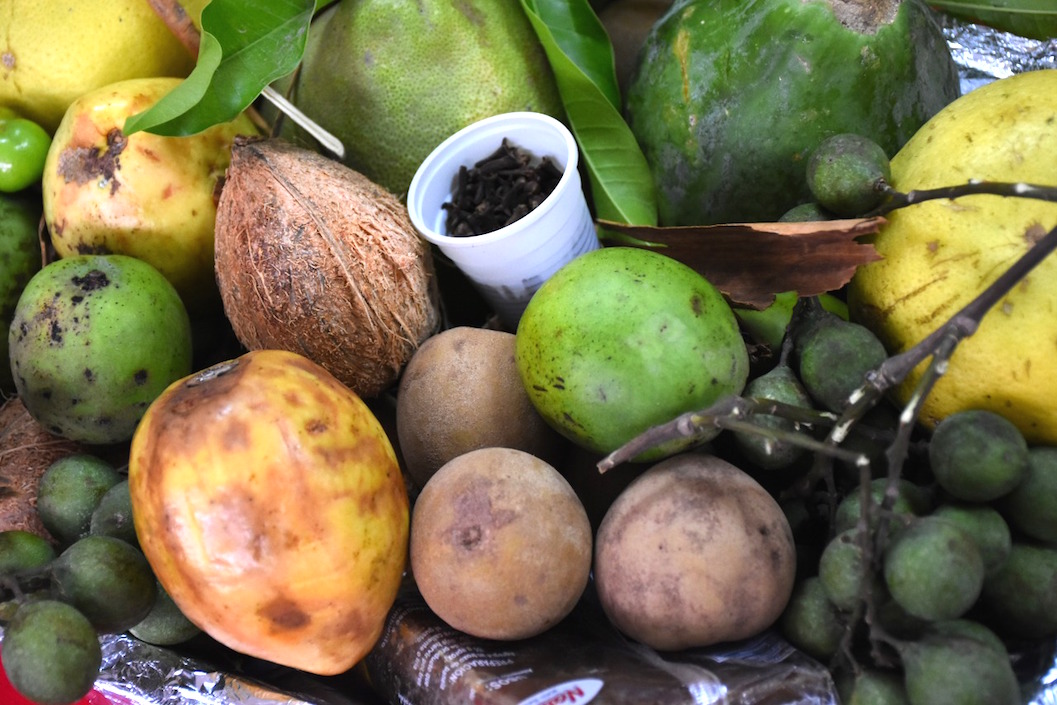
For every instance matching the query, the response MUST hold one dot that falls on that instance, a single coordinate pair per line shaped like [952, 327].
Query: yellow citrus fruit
[52, 51]
[392, 80]
[940, 254]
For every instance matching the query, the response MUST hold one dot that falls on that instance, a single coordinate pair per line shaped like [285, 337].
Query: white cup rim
[427, 170]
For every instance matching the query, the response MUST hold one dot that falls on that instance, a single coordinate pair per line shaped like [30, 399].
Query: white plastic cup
[508, 265]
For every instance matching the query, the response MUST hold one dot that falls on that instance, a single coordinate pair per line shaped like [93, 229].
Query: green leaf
[1035, 19]
[581, 57]
[246, 44]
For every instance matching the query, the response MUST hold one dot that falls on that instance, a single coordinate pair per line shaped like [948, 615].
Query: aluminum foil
[137, 673]
[984, 54]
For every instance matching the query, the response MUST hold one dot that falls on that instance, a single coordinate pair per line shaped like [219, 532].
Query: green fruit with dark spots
[810, 621]
[622, 339]
[113, 515]
[846, 172]
[22, 550]
[69, 492]
[51, 652]
[1031, 506]
[165, 624]
[1020, 598]
[778, 384]
[952, 669]
[910, 500]
[985, 526]
[94, 339]
[840, 570]
[871, 687]
[977, 455]
[933, 569]
[108, 580]
[834, 357]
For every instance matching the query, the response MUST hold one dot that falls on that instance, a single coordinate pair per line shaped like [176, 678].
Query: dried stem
[896, 199]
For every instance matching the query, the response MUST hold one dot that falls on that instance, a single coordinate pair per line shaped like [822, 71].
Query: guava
[142, 195]
[94, 339]
[622, 339]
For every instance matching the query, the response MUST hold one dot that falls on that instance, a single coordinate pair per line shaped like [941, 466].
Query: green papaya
[729, 98]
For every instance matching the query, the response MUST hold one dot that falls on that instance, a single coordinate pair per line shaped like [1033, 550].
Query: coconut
[27, 449]
[315, 258]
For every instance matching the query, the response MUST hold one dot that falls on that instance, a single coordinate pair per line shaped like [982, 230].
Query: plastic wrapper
[421, 661]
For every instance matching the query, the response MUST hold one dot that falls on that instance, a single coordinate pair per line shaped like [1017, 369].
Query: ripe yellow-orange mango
[271, 506]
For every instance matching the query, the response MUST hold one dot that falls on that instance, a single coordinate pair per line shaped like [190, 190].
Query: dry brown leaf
[751, 262]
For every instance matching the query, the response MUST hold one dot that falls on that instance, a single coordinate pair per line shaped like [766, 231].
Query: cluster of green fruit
[59, 597]
[913, 584]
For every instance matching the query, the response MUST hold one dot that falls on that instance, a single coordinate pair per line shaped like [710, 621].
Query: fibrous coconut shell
[27, 449]
[314, 258]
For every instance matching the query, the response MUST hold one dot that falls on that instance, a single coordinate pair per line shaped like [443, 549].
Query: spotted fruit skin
[143, 195]
[622, 339]
[270, 504]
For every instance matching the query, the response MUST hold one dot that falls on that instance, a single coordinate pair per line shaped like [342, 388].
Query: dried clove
[498, 190]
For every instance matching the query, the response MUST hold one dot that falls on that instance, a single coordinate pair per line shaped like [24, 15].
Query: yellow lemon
[940, 254]
[53, 51]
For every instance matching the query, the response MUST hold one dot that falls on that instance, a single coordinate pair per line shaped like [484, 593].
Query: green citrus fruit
[393, 80]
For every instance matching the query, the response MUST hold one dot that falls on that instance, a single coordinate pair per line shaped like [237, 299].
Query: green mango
[622, 339]
[730, 97]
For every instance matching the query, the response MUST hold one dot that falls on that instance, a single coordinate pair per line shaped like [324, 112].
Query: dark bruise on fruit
[85, 164]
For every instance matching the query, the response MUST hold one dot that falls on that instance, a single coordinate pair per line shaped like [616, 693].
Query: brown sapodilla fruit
[314, 258]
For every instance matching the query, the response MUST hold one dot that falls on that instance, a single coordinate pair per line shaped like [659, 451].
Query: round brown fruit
[461, 391]
[500, 544]
[694, 552]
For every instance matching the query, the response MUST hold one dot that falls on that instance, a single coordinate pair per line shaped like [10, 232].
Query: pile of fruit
[244, 401]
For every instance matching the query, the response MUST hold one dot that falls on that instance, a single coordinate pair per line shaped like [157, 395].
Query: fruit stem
[735, 413]
[896, 199]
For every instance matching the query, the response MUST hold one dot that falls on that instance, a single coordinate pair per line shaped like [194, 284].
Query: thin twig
[896, 199]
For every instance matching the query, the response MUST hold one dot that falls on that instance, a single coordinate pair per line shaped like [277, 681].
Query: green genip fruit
[730, 97]
[95, 338]
[622, 339]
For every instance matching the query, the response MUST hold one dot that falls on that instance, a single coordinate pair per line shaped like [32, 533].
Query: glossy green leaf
[246, 44]
[1035, 19]
[581, 57]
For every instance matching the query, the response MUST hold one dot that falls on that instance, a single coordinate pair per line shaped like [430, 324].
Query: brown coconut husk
[26, 451]
[314, 258]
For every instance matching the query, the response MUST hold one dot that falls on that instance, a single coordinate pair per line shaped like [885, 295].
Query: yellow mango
[270, 504]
